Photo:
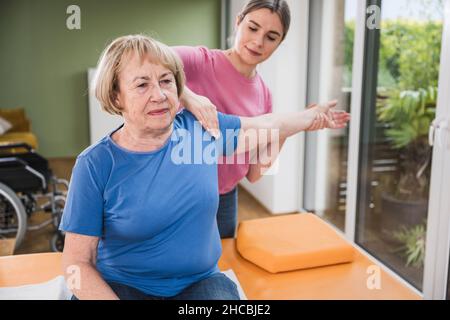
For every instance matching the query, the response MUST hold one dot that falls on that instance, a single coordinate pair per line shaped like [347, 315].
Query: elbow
[253, 178]
[73, 266]
[69, 266]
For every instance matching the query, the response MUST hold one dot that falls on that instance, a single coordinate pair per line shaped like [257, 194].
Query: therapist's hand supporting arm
[259, 165]
[257, 170]
[79, 260]
[259, 132]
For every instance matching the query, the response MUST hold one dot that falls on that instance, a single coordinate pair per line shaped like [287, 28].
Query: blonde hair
[116, 54]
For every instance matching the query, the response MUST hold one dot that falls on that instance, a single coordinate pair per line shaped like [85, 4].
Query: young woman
[229, 82]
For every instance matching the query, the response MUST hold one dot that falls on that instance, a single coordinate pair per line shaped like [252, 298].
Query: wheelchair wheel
[60, 202]
[57, 242]
[13, 217]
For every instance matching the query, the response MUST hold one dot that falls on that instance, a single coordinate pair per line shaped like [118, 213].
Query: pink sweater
[209, 73]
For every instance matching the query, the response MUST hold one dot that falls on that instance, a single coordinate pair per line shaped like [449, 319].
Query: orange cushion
[292, 242]
[30, 268]
[341, 281]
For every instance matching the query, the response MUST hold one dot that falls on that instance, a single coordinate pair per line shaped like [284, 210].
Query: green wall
[43, 65]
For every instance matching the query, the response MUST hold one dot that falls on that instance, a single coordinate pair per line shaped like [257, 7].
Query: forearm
[289, 124]
[91, 285]
[265, 158]
[259, 132]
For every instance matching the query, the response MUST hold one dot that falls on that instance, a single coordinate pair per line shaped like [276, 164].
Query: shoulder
[228, 121]
[97, 150]
[185, 120]
[97, 159]
[195, 54]
[266, 93]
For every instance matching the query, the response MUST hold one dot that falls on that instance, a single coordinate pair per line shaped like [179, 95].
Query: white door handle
[439, 131]
[431, 134]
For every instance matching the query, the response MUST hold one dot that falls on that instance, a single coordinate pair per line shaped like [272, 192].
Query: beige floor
[39, 241]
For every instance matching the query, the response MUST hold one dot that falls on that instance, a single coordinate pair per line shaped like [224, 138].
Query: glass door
[401, 64]
[436, 277]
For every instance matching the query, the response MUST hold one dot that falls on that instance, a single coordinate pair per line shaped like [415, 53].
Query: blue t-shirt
[155, 213]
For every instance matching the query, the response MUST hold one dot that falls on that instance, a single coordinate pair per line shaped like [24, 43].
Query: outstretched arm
[265, 156]
[271, 128]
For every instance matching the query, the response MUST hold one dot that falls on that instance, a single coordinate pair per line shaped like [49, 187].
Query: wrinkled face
[258, 35]
[147, 95]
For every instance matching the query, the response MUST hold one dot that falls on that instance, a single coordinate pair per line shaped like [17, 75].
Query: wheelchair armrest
[12, 162]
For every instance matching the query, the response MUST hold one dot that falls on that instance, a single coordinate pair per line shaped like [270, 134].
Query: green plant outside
[409, 54]
[413, 244]
[407, 97]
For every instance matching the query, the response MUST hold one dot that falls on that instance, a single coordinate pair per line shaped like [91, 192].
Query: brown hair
[115, 56]
[279, 7]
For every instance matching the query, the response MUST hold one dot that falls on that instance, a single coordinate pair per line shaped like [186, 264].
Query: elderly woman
[139, 223]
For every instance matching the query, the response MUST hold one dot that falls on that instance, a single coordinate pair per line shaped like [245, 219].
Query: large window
[401, 71]
[388, 72]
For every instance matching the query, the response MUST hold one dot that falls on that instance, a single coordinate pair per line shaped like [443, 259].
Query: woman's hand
[328, 118]
[203, 109]
[314, 118]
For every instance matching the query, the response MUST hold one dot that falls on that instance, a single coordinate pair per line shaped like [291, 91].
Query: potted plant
[412, 244]
[404, 199]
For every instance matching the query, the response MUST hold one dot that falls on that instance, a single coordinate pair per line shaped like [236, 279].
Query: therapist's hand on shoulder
[203, 110]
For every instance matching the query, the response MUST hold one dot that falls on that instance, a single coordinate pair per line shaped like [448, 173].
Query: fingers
[314, 126]
[338, 119]
[211, 121]
[203, 121]
[322, 121]
[341, 121]
[328, 117]
[330, 120]
[332, 103]
[318, 123]
[339, 114]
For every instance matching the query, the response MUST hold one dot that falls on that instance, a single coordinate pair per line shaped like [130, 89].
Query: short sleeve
[193, 58]
[229, 126]
[83, 211]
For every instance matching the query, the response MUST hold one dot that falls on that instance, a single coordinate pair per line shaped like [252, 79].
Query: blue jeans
[227, 214]
[216, 287]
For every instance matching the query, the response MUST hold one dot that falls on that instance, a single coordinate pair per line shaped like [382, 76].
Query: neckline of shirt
[145, 153]
[233, 69]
